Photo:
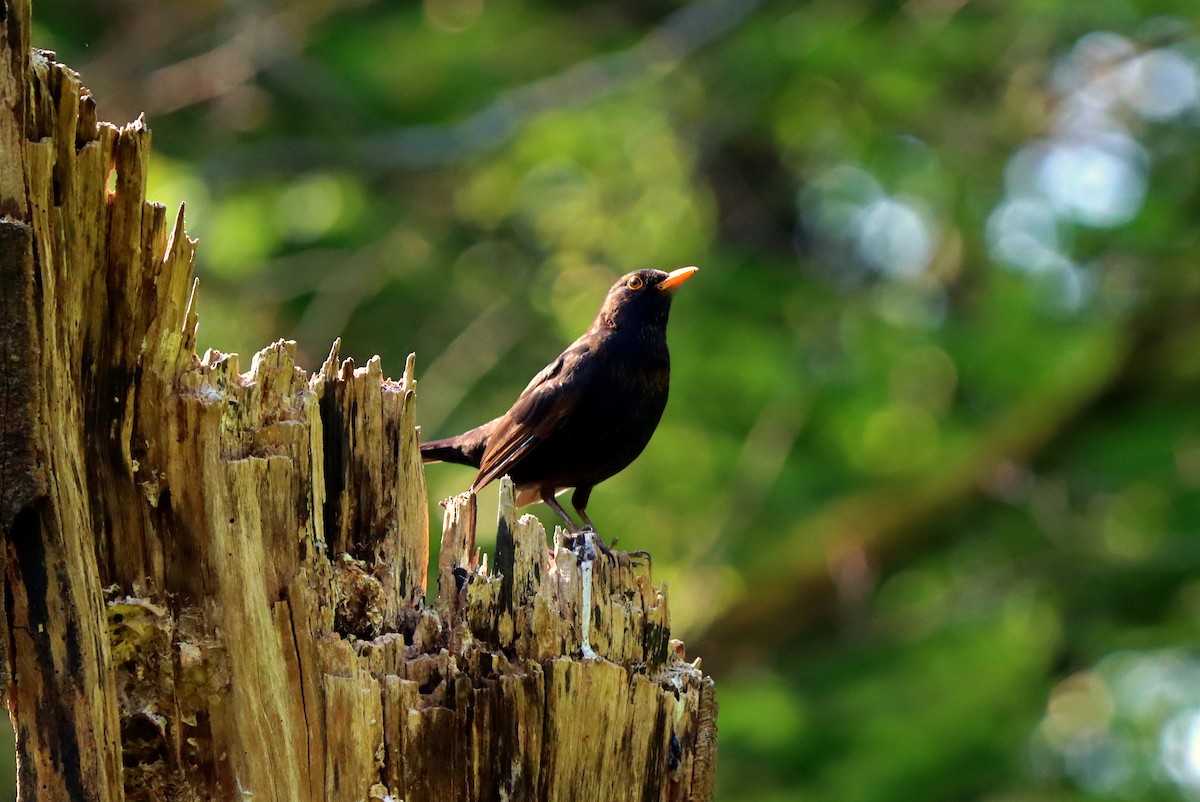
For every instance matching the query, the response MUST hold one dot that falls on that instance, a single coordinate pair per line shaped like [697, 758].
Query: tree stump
[215, 580]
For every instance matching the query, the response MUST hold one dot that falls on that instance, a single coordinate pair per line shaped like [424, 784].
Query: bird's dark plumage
[587, 414]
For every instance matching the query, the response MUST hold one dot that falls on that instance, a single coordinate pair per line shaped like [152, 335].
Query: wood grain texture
[216, 578]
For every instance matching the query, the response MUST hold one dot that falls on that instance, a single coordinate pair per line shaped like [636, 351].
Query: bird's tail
[464, 449]
[448, 450]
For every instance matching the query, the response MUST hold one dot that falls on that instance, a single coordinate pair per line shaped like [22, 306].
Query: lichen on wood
[216, 578]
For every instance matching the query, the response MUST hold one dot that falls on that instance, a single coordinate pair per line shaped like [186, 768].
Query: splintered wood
[216, 579]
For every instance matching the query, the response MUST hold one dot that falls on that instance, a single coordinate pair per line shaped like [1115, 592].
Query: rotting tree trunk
[215, 580]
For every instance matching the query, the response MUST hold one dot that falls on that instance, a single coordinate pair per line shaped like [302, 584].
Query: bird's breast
[623, 409]
[617, 409]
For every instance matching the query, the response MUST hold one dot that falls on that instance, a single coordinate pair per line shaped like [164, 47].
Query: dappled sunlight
[894, 238]
[1180, 746]
[1126, 728]
[893, 235]
[1092, 171]
[316, 205]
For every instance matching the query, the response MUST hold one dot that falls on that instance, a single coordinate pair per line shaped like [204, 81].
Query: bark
[215, 581]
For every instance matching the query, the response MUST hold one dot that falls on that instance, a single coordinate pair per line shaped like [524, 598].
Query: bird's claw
[638, 557]
[579, 542]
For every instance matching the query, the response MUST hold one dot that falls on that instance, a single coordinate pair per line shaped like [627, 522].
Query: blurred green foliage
[927, 494]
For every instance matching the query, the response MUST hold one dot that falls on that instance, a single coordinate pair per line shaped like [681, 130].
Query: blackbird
[587, 414]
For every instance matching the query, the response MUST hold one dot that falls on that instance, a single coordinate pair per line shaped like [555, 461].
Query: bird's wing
[546, 402]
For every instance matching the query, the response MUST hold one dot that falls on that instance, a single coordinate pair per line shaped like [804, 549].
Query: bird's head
[642, 297]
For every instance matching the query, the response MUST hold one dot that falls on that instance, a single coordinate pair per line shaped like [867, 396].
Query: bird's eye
[635, 283]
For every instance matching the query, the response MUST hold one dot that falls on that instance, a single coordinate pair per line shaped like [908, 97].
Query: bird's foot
[638, 558]
[633, 559]
[604, 547]
[579, 540]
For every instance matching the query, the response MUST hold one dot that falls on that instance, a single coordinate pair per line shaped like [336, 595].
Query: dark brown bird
[590, 412]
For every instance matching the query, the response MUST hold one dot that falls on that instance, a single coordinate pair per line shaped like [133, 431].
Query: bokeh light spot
[1080, 708]
[1022, 232]
[309, 207]
[1164, 85]
[1094, 185]
[1180, 748]
[894, 238]
[238, 242]
[899, 439]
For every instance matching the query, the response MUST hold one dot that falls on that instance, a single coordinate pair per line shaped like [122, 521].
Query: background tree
[929, 483]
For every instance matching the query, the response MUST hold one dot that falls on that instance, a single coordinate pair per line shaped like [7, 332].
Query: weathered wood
[215, 579]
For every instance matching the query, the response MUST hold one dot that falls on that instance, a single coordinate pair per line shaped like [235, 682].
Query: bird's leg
[579, 500]
[548, 497]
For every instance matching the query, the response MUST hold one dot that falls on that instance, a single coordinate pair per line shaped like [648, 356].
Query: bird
[589, 413]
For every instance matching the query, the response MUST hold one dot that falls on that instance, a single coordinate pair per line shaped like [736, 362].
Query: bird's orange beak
[677, 277]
